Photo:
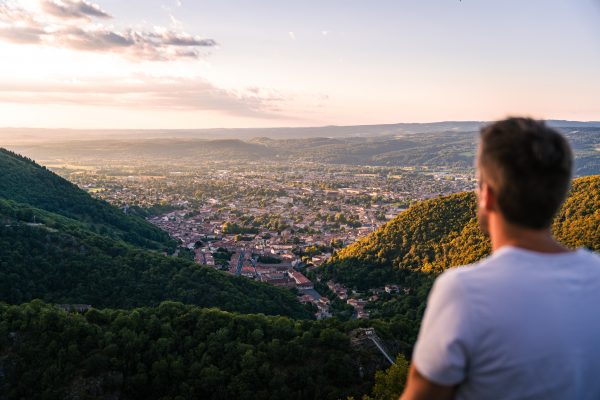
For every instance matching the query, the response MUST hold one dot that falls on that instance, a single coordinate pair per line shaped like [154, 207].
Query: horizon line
[281, 127]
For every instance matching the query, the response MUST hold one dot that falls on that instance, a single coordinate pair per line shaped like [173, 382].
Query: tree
[389, 384]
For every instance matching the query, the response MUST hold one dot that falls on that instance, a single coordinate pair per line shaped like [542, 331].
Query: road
[240, 263]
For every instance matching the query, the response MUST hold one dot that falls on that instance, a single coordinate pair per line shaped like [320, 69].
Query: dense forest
[24, 181]
[56, 259]
[578, 223]
[175, 351]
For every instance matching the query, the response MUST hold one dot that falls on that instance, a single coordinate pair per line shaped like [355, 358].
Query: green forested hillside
[440, 233]
[60, 245]
[58, 260]
[175, 351]
[24, 181]
[578, 224]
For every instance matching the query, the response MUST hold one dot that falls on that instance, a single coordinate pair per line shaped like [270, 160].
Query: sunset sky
[228, 63]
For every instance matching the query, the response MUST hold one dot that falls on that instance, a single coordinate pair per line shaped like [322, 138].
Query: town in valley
[269, 221]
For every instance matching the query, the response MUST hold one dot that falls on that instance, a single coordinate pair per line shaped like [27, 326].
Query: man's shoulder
[468, 270]
[508, 260]
[590, 255]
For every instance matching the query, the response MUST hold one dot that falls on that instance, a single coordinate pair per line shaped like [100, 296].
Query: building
[302, 282]
[392, 288]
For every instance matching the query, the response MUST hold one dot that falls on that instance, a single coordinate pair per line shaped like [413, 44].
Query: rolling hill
[441, 233]
[24, 181]
[435, 146]
[36, 135]
[60, 245]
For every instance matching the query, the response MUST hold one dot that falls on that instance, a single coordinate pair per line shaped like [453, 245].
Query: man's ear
[487, 198]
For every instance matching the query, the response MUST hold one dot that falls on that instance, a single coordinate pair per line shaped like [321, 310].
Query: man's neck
[540, 240]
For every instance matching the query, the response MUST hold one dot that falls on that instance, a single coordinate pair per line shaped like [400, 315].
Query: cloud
[140, 91]
[292, 35]
[73, 9]
[79, 26]
[178, 39]
[11, 12]
[59, 24]
[21, 34]
[156, 46]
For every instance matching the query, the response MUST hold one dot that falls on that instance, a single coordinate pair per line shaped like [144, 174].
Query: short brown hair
[528, 166]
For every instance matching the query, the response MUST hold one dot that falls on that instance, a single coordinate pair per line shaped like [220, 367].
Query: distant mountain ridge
[29, 135]
[443, 145]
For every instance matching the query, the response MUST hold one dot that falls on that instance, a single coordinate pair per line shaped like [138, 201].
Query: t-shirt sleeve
[442, 349]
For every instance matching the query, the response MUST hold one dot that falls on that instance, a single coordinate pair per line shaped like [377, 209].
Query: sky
[175, 64]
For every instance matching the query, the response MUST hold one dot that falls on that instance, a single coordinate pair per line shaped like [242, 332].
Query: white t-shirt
[517, 325]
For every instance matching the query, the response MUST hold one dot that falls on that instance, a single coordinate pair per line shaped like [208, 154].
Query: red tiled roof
[299, 278]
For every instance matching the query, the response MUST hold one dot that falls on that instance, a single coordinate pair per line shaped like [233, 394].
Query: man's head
[524, 171]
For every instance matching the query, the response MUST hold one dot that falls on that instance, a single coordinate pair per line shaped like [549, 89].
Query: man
[525, 322]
